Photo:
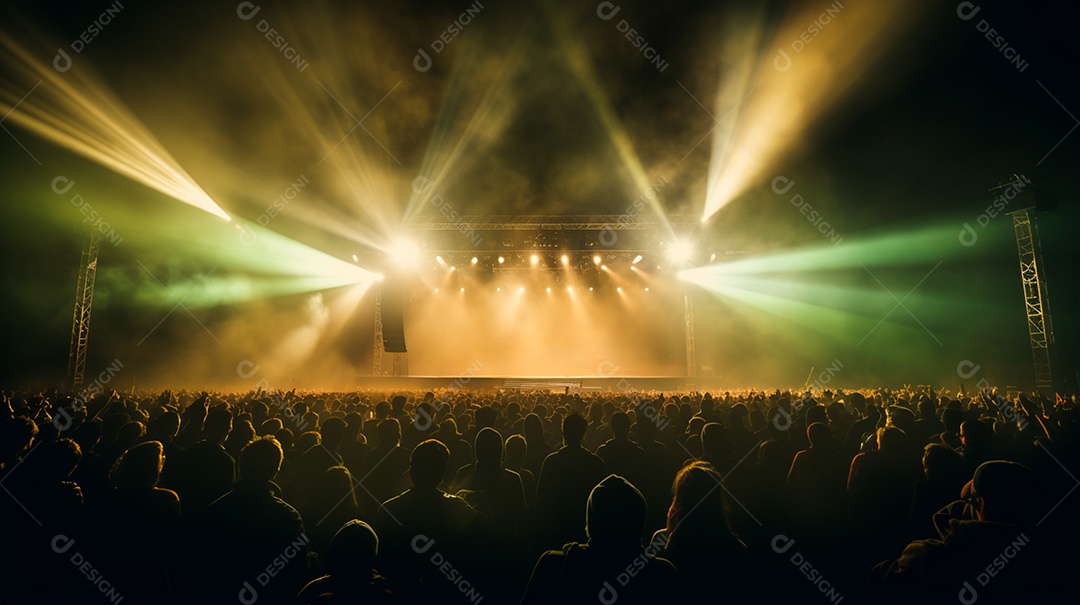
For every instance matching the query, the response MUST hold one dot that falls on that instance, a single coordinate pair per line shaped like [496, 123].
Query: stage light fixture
[534, 259]
[637, 259]
[474, 260]
[501, 260]
[680, 252]
[404, 253]
[521, 289]
[603, 267]
[549, 289]
[453, 268]
[463, 289]
[596, 259]
[590, 288]
[565, 259]
[354, 259]
[646, 289]
[619, 289]
[498, 289]
[440, 260]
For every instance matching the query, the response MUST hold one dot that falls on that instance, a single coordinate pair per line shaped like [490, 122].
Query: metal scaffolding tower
[397, 360]
[1036, 304]
[84, 298]
[691, 350]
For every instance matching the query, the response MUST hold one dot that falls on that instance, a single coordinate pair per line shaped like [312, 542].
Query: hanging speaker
[393, 314]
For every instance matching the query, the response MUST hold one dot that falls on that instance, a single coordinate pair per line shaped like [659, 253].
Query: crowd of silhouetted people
[459, 496]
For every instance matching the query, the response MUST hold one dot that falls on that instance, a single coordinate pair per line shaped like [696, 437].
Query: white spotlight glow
[534, 259]
[474, 260]
[565, 259]
[596, 259]
[501, 260]
[404, 253]
[680, 252]
[637, 259]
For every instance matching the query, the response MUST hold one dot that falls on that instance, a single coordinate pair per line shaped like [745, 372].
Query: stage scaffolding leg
[1036, 306]
[377, 354]
[691, 352]
[84, 298]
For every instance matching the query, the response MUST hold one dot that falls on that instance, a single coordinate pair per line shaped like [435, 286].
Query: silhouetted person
[384, 468]
[566, 479]
[998, 556]
[945, 476]
[332, 503]
[251, 528]
[461, 451]
[598, 569]
[349, 574]
[621, 456]
[516, 453]
[496, 493]
[140, 520]
[817, 482]
[423, 521]
[205, 471]
[538, 450]
[315, 460]
[697, 538]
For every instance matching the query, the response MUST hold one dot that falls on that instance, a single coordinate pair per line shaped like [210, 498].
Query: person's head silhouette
[615, 514]
[488, 446]
[573, 429]
[260, 460]
[428, 464]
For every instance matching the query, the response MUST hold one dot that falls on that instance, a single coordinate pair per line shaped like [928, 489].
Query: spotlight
[590, 288]
[436, 290]
[619, 289]
[633, 268]
[378, 277]
[569, 288]
[603, 267]
[354, 259]
[712, 257]
[404, 253]
[521, 289]
[440, 260]
[463, 289]
[549, 289]
[596, 259]
[680, 252]
[498, 289]
[646, 289]
[565, 259]
[452, 268]
[637, 259]
[534, 259]
[501, 260]
[474, 260]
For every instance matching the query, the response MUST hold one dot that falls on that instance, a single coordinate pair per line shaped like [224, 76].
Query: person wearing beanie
[613, 565]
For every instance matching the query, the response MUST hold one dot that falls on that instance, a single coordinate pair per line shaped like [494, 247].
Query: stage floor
[545, 383]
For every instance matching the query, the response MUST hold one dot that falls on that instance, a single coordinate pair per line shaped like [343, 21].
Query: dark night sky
[939, 119]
